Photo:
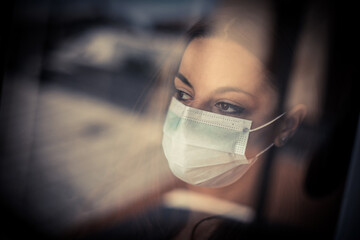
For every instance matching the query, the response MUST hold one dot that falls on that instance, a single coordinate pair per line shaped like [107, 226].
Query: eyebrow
[217, 91]
[232, 89]
[183, 79]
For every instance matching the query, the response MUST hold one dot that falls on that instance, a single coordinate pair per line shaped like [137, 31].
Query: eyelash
[180, 95]
[222, 106]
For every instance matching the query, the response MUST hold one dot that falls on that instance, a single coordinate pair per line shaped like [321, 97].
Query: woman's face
[221, 76]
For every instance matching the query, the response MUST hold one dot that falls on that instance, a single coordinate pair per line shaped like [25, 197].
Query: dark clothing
[163, 223]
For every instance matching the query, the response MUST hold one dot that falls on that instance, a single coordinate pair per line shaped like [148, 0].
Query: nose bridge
[201, 104]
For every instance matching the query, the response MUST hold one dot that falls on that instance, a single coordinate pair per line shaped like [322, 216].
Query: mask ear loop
[266, 124]
[253, 159]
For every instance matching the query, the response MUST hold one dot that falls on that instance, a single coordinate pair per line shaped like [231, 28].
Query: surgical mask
[205, 148]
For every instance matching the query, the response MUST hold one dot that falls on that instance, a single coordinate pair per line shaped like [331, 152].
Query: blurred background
[77, 133]
[73, 132]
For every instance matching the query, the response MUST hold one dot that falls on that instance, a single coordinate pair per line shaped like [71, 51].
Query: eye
[182, 96]
[229, 108]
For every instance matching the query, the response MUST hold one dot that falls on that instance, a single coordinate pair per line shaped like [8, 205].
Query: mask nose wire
[268, 123]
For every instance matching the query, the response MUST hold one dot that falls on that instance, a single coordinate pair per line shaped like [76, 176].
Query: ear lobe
[290, 123]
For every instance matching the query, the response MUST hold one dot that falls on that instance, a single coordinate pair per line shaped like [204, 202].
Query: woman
[225, 112]
[224, 116]
[224, 70]
[219, 75]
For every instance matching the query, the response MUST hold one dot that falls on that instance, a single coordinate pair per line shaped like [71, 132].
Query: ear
[290, 123]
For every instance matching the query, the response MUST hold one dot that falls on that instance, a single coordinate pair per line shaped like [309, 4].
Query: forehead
[221, 63]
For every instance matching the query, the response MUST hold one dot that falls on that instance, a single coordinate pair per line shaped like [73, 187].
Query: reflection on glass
[174, 120]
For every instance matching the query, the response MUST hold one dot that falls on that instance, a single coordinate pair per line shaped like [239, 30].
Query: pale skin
[219, 75]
